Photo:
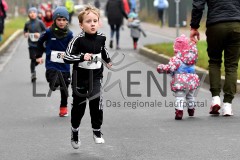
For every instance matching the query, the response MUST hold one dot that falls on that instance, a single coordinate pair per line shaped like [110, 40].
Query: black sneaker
[33, 77]
[111, 44]
[74, 140]
[97, 137]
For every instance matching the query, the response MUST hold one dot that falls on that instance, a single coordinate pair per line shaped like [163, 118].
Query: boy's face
[32, 15]
[90, 23]
[61, 22]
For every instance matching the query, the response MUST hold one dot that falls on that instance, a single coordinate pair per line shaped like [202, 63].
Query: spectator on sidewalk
[56, 39]
[135, 27]
[115, 13]
[184, 79]
[48, 18]
[32, 30]
[126, 6]
[223, 34]
[132, 5]
[86, 52]
[3, 15]
[69, 4]
[161, 6]
[97, 4]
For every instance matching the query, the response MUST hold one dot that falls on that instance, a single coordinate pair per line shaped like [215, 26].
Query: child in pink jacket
[184, 79]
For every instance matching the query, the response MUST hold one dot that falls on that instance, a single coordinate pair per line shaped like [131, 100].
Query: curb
[6, 44]
[161, 58]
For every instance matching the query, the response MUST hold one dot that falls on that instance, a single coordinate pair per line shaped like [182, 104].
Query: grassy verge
[12, 25]
[167, 49]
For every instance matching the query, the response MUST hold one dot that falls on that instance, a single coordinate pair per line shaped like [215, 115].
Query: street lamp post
[177, 17]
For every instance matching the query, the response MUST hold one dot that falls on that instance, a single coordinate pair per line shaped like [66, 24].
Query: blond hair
[87, 10]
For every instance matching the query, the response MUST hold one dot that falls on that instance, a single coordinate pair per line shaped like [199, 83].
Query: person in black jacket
[223, 34]
[87, 52]
[97, 4]
[115, 13]
[32, 30]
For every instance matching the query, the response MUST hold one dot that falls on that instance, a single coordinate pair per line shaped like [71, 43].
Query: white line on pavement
[9, 55]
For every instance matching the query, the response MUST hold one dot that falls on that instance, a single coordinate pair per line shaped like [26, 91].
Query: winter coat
[162, 4]
[135, 28]
[182, 67]
[33, 26]
[218, 11]
[115, 12]
[97, 3]
[126, 6]
[3, 8]
[3, 14]
[54, 44]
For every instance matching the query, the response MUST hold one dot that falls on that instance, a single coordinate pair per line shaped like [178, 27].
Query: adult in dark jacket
[223, 34]
[115, 13]
[97, 4]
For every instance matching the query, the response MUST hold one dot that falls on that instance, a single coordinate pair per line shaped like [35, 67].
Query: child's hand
[39, 60]
[130, 19]
[109, 65]
[36, 35]
[88, 57]
[26, 34]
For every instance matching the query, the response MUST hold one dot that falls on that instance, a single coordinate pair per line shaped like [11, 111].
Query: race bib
[57, 56]
[95, 62]
[32, 38]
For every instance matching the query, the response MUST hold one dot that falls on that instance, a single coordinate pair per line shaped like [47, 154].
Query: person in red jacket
[48, 18]
[3, 15]
[126, 6]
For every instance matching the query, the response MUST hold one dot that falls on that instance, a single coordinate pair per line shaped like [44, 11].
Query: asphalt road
[138, 119]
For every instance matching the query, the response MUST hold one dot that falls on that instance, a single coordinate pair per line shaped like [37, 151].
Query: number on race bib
[57, 56]
[95, 62]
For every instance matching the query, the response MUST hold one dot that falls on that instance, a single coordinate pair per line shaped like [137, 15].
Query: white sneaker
[216, 101]
[97, 137]
[227, 109]
[75, 141]
[215, 105]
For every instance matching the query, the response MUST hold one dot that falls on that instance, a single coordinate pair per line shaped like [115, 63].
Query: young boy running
[87, 52]
[32, 30]
[57, 38]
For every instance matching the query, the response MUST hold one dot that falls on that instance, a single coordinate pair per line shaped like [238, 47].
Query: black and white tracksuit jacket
[87, 43]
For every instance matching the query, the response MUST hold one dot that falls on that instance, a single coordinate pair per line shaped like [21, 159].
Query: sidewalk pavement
[170, 33]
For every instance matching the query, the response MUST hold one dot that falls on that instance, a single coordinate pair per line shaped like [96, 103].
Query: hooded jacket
[181, 66]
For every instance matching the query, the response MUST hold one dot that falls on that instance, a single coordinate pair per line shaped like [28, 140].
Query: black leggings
[33, 64]
[115, 28]
[160, 16]
[55, 79]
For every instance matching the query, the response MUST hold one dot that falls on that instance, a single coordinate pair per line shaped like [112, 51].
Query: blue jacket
[161, 4]
[54, 44]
